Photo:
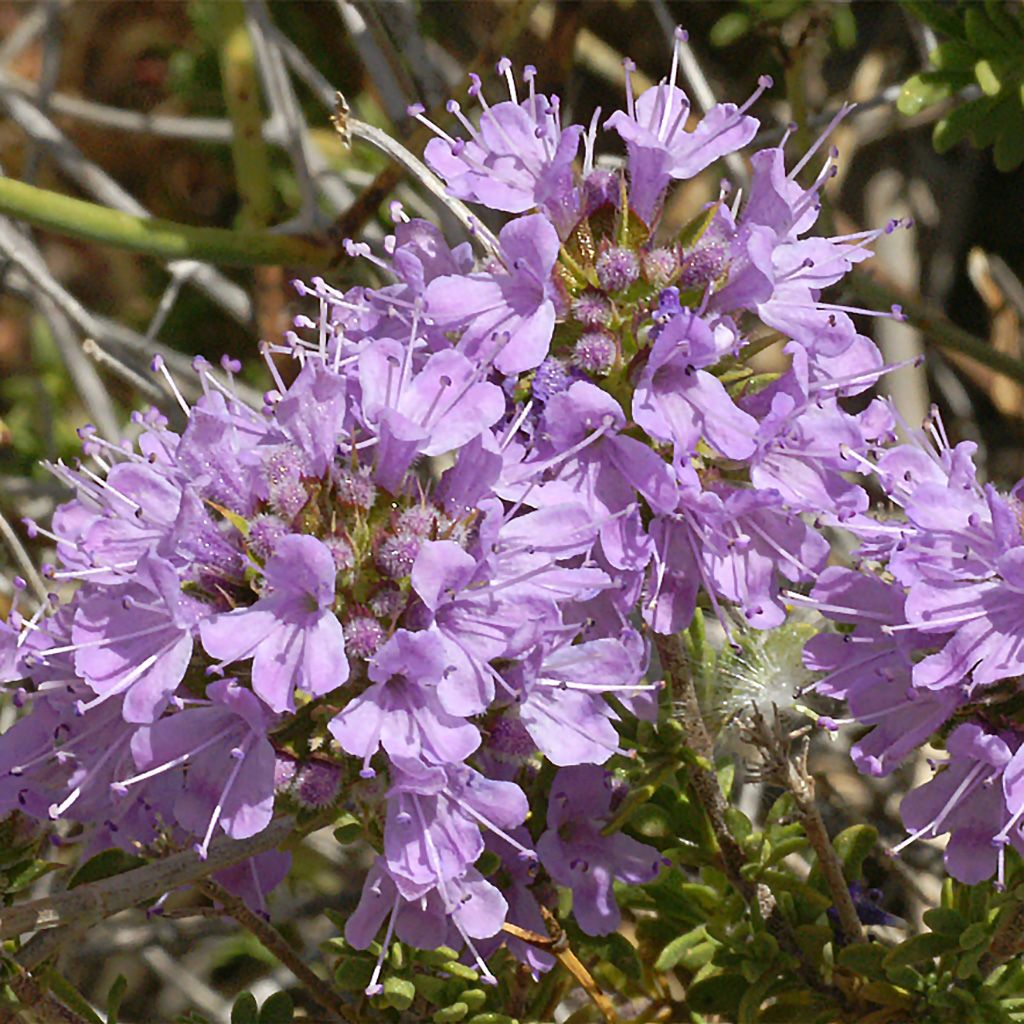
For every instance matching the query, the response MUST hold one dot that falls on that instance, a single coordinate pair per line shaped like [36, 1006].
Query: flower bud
[595, 352]
[617, 268]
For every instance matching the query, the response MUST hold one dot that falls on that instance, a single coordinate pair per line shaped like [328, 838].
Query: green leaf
[864, 959]
[985, 36]
[750, 1005]
[945, 921]
[277, 1009]
[1009, 149]
[71, 997]
[105, 865]
[245, 1010]
[987, 78]
[492, 1018]
[941, 17]
[670, 956]
[917, 950]
[399, 993]
[919, 92]
[952, 55]
[854, 845]
[451, 1014]
[719, 993]
[348, 829]
[974, 936]
[353, 973]
[729, 28]
[114, 997]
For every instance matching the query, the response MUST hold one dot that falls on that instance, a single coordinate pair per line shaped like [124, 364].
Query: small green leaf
[245, 1010]
[987, 78]
[729, 28]
[353, 973]
[114, 997]
[945, 921]
[853, 845]
[105, 865]
[920, 92]
[918, 949]
[451, 1014]
[399, 993]
[719, 993]
[348, 829]
[974, 936]
[277, 1009]
[864, 959]
[670, 956]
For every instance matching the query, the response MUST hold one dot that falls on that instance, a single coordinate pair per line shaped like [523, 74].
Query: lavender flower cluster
[436, 560]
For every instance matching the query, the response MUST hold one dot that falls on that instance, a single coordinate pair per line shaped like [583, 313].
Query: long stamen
[202, 849]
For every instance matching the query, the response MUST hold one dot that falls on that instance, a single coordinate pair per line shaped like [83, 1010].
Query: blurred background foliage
[216, 114]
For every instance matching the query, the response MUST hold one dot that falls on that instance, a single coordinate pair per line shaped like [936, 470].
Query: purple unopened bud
[617, 268]
[353, 487]
[264, 533]
[363, 635]
[659, 266]
[316, 784]
[595, 352]
[341, 552]
[418, 521]
[592, 309]
[396, 555]
[701, 266]
[552, 378]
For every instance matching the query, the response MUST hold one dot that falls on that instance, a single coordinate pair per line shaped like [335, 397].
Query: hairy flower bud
[595, 352]
[617, 268]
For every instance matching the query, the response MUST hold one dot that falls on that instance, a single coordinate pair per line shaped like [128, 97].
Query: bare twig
[557, 944]
[274, 942]
[96, 182]
[349, 126]
[144, 386]
[88, 383]
[778, 767]
[108, 896]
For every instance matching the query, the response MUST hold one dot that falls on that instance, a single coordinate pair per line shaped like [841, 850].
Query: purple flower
[654, 130]
[577, 854]
[292, 634]
[561, 703]
[230, 762]
[402, 712]
[508, 318]
[967, 800]
[135, 640]
[519, 158]
[678, 401]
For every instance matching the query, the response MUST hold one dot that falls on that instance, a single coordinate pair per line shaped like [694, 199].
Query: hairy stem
[1007, 942]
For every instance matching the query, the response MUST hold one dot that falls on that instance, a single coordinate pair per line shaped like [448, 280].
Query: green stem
[164, 239]
[934, 325]
[242, 98]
